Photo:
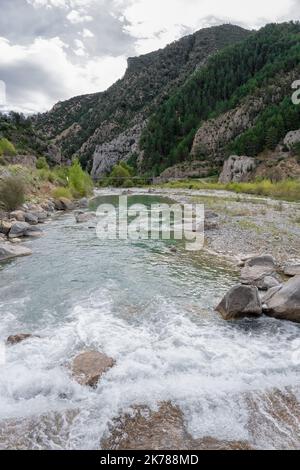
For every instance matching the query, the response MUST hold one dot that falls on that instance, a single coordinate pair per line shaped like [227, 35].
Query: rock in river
[8, 251]
[88, 367]
[19, 338]
[18, 229]
[283, 302]
[241, 301]
[258, 270]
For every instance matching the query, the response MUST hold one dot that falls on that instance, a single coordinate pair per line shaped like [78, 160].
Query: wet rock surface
[283, 302]
[164, 429]
[88, 367]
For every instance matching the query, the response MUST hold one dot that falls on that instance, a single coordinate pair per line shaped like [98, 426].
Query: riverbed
[152, 310]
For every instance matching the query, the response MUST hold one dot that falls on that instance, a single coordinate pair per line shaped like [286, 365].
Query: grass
[57, 193]
[288, 190]
[12, 193]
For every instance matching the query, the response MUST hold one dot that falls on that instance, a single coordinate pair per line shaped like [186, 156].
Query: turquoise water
[151, 310]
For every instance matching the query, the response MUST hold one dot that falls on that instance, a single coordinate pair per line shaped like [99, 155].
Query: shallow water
[152, 311]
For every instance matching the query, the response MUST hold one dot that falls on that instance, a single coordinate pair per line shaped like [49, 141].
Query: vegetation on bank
[18, 183]
[123, 176]
[229, 77]
[288, 190]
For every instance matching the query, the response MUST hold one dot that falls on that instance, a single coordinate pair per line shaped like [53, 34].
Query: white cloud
[157, 22]
[75, 17]
[58, 77]
[86, 33]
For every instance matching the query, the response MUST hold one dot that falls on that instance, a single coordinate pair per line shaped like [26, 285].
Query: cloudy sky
[51, 50]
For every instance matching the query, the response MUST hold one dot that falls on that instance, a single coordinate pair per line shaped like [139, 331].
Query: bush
[7, 148]
[62, 192]
[119, 175]
[80, 182]
[42, 164]
[12, 193]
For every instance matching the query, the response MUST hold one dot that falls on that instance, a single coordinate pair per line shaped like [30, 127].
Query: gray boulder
[237, 169]
[283, 302]
[241, 301]
[83, 203]
[8, 251]
[64, 204]
[291, 139]
[258, 270]
[31, 218]
[5, 226]
[18, 229]
[33, 232]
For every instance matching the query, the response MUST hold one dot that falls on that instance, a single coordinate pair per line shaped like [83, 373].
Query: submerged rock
[164, 429]
[283, 302]
[8, 251]
[19, 338]
[88, 367]
[82, 217]
[241, 301]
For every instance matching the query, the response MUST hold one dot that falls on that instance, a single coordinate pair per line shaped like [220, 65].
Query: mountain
[239, 103]
[104, 128]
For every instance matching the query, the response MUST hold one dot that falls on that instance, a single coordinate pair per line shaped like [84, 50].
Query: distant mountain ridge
[104, 128]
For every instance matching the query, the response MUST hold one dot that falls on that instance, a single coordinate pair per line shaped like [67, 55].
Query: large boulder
[283, 302]
[8, 251]
[18, 229]
[237, 169]
[241, 301]
[260, 271]
[88, 367]
[31, 218]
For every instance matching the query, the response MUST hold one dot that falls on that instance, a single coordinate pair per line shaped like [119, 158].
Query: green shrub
[7, 148]
[119, 175]
[80, 182]
[62, 192]
[12, 192]
[128, 184]
[42, 164]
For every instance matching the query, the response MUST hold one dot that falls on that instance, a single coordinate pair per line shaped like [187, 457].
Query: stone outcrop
[237, 169]
[119, 149]
[64, 204]
[18, 229]
[292, 269]
[194, 169]
[291, 139]
[9, 251]
[24, 160]
[283, 302]
[88, 367]
[241, 301]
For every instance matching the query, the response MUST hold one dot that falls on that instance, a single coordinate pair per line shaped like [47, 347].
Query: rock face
[260, 271]
[237, 169]
[194, 169]
[215, 134]
[292, 138]
[119, 149]
[25, 160]
[8, 251]
[88, 367]
[283, 302]
[164, 429]
[241, 301]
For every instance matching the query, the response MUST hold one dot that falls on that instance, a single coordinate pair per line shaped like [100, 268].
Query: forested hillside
[231, 76]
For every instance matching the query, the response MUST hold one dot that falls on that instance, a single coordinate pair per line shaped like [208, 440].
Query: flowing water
[152, 311]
